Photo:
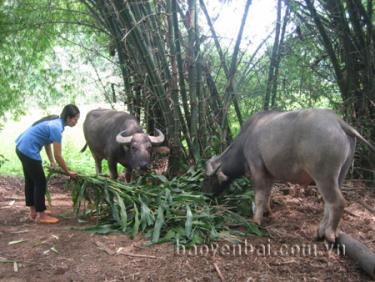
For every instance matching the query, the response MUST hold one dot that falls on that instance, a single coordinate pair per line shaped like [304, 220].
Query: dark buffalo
[117, 137]
[301, 147]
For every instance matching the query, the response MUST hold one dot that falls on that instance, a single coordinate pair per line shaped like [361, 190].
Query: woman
[44, 132]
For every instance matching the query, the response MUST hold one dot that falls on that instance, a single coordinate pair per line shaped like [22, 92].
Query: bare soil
[63, 252]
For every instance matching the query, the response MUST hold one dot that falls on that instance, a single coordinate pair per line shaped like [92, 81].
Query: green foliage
[165, 210]
[21, 50]
[305, 79]
[81, 162]
[43, 54]
[2, 160]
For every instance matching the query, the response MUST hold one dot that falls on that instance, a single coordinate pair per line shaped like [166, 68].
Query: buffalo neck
[233, 161]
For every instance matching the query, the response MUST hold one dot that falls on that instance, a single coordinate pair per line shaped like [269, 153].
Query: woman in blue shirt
[43, 133]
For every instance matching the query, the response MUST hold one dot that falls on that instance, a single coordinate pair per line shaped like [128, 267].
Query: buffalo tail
[84, 148]
[352, 132]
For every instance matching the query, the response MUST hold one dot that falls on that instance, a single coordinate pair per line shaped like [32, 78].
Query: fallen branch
[358, 252]
[138, 256]
[5, 260]
[219, 272]
[104, 248]
[350, 213]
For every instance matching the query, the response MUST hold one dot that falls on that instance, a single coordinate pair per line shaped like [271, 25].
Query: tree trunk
[278, 59]
[232, 70]
[273, 60]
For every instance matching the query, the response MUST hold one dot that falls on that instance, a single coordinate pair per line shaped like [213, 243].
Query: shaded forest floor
[62, 252]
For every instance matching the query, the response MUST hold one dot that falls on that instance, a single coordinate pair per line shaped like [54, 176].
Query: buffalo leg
[128, 175]
[268, 211]
[323, 224]
[334, 204]
[112, 166]
[98, 165]
[263, 189]
[348, 162]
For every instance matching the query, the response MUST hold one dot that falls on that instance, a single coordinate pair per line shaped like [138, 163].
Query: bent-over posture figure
[43, 133]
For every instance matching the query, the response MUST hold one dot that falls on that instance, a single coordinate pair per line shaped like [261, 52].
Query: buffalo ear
[162, 151]
[213, 165]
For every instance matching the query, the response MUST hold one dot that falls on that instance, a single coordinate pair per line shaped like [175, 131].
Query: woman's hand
[72, 174]
[53, 166]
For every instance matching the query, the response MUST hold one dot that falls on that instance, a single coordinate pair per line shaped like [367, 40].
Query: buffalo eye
[134, 148]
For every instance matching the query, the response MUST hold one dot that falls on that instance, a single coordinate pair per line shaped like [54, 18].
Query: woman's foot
[49, 212]
[44, 218]
[33, 213]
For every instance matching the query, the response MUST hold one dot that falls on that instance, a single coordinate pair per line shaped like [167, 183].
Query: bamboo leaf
[162, 178]
[102, 229]
[123, 215]
[136, 221]
[189, 222]
[77, 201]
[147, 218]
[158, 224]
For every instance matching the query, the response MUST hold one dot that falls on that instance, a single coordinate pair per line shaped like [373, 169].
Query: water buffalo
[117, 137]
[305, 146]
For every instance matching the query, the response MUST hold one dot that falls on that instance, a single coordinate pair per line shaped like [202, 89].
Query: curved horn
[123, 139]
[212, 165]
[157, 139]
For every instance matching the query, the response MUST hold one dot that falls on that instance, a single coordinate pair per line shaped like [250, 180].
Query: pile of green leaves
[165, 210]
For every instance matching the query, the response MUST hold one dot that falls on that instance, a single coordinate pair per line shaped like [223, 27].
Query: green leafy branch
[164, 210]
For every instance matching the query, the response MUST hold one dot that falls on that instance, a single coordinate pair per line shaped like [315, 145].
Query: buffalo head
[139, 146]
[215, 181]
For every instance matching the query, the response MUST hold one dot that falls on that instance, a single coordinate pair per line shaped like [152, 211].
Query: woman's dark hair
[69, 111]
[50, 117]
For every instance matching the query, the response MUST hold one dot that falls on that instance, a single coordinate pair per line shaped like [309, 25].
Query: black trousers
[35, 182]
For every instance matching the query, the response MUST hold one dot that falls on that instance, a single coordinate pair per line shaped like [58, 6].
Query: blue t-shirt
[31, 141]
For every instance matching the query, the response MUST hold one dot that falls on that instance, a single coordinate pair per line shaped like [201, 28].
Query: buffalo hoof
[318, 237]
[257, 221]
[320, 231]
[330, 237]
[268, 213]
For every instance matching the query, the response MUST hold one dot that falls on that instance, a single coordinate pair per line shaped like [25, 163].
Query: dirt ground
[62, 252]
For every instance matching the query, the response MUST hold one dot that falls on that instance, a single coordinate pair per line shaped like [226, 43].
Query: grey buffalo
[301, 147]
[117, 137]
